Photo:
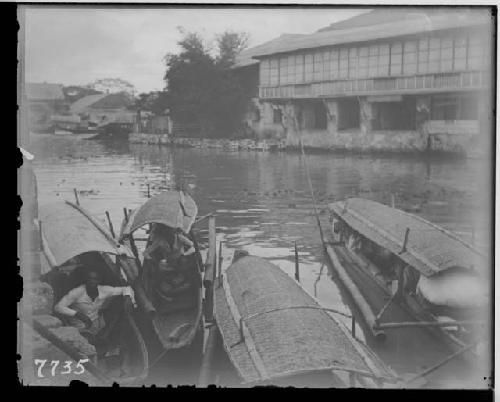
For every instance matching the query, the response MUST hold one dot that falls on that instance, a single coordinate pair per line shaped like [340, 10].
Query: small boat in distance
[274, 332]
[431, 277]
[176, 320]
[73, 242]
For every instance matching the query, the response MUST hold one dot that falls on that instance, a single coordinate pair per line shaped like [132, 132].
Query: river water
[262, 201]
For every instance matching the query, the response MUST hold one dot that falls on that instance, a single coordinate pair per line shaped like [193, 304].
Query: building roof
[44, 91]
[245, 59]
[101, 101]
[385, 27]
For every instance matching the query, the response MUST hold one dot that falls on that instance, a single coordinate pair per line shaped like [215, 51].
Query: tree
[202, 89]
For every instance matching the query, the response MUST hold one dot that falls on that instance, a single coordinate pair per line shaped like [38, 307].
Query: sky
[77, 45]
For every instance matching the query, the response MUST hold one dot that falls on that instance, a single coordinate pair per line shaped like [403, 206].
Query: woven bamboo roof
[287, 342]
[175, 209]
[430, 248]
[67, 233]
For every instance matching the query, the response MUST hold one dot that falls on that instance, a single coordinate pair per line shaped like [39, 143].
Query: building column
[365, 115]
[332, 112]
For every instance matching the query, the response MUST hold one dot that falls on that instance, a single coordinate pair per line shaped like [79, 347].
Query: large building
[389, 80]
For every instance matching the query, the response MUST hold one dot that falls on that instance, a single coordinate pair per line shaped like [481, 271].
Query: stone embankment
[215, 143]
[38, 300]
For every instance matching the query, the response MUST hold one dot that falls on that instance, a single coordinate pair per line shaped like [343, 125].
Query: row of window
[423, 56]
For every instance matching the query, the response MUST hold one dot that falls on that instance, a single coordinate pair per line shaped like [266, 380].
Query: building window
[318, 66]
[343, 63]
[348, 114]
[373, 61]
[264, 72]
[291, 69]
[363, 62]
[326, 66]
[446, 55]
[308, 68]
[396, 58]
[353, 62]
[423, 55]
[383, 61]
[274, 72]
[453, 107]
[410, 58]
[277, 116]
[334, 65]
[283, 80]
[395, 116]
[474, 53]
[434, 55]
[299, 68]
[460, 54]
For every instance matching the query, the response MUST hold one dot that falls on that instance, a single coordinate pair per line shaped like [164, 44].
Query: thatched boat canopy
[430, 249]
[174, 209]
[68, 231]
[285, 331]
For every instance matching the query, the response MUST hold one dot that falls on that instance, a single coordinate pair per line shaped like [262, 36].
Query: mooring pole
[125, 214]
[297, 272]
[111, 229]
[76, 196]
[405, 242]
[149, 193]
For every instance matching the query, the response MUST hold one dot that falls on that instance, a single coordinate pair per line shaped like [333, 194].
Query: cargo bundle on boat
[170, 280]
[441, 280]
[274, 332]
[73, 243]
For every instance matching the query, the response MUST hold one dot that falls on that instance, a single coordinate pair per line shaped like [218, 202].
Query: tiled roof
[101, 101]
[44, 91]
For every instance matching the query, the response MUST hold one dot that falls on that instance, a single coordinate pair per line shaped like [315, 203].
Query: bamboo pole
[297, 273]
[111, 228]
[207, 364]
[76, 197]
[210, 270]
[220, 264]
[356, 295]
[408, 324]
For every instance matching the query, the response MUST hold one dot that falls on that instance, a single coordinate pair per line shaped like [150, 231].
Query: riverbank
[293, 146]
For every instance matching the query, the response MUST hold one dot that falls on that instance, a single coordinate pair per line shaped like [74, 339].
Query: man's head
[92, 279]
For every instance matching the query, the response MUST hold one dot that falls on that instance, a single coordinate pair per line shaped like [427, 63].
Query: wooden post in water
[125, 214]
[297, 273]
[405, 242]
[76, 196]
[149, 193]
[220, 263]
[111, 229]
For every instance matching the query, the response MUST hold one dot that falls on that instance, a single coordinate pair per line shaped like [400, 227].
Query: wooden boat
[74, 241]
[274, 332]
[417, 265]
[176, 322]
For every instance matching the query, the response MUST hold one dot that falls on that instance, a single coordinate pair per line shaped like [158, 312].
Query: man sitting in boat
[83, 306]
[161, 239]
[171, 281]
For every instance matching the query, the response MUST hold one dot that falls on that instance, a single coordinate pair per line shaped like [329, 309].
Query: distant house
[103, 109]
[44, 100]
[73, 92]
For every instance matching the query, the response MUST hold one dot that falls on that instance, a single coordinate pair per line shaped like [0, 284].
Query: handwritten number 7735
[67, 367]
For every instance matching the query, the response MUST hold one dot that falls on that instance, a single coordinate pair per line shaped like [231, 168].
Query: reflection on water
[261, 200]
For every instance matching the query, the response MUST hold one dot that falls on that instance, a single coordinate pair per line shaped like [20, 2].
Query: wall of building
[458, 137]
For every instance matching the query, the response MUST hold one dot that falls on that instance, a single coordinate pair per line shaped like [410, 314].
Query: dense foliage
[201, 89]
